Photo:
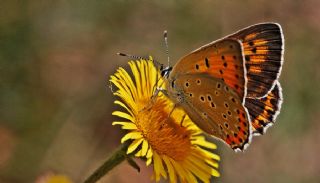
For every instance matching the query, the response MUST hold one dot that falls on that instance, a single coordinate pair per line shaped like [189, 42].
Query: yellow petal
[215, 172]
[126, 125]
[144, 149]
[136, 75]
[202, 142]
[191, 177]
[154, 74]
[138, 154]
[200, 164]
[212, 163]
[158, 167]
[123, 115]
[133, 146]
[204, 165]
[210, 154]
[129, 82]
[172, 174]
[124, 106]
[149, 153]
[129, 101]
[149, 161]
[180, 171]
[119, 84]
[131, 135]
[201, 174]
[144, 85]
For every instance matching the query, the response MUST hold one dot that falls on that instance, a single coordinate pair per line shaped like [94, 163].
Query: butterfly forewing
[263, 46]
[221, 59]
[215, 108]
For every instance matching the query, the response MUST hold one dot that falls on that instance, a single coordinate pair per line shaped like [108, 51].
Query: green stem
[116, 158]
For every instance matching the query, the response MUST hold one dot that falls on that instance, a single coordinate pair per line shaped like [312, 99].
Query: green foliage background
[56, 58]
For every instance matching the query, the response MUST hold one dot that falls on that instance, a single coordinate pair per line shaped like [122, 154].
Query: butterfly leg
[154, 98]
[158, 90]
[164, 121]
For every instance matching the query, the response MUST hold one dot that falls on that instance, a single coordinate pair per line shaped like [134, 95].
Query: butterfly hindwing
[222, 59]
[263, 112]
[215, 108]
[263, 46]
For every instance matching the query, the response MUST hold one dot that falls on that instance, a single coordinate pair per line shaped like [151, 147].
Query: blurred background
[56, 58]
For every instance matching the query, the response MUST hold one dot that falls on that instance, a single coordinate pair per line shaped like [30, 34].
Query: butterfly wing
[222, 59]
[215, 108]
[264, 111]
[263, 46]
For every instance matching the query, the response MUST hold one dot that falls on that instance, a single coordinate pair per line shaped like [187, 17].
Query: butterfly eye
[166, 71]
[163, 72]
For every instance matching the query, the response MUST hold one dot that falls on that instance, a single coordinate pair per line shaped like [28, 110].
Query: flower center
[165, 134]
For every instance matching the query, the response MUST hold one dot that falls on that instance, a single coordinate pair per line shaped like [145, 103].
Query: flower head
[159, 132]
[50, 177]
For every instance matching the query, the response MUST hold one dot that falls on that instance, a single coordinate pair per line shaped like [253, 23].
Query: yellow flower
[175, 146]
[51, 177]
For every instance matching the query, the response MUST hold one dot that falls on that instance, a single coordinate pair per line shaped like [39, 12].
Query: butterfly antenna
[133, 57]
[165, 36]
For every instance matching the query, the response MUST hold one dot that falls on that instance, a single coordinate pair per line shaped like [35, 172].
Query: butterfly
[229, 88]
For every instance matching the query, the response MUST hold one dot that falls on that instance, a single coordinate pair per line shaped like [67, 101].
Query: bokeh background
[56, 58]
